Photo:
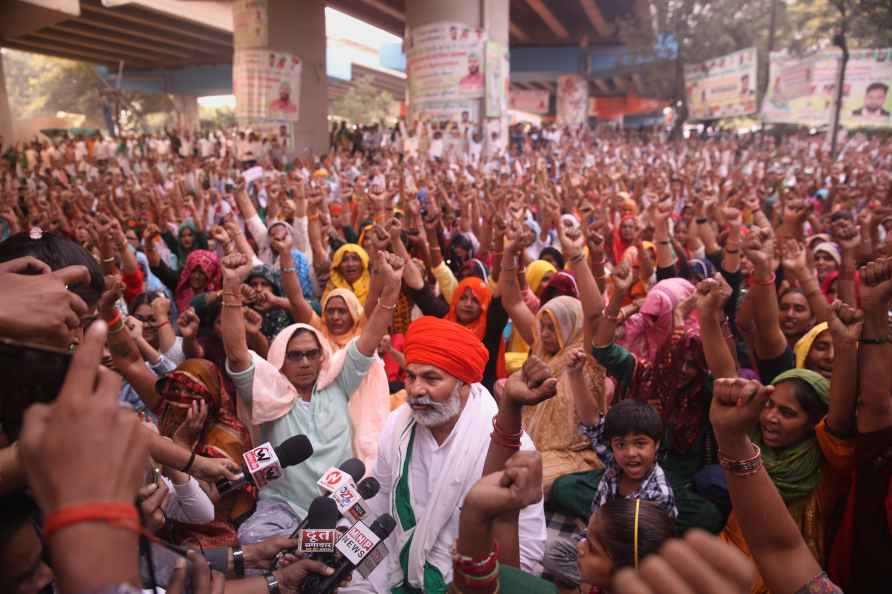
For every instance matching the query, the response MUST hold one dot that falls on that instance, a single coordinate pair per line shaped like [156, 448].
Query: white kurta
[429, 461]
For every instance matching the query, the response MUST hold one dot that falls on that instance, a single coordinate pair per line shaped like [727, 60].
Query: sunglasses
[296, 356]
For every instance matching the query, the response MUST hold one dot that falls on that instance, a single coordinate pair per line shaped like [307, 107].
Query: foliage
[42, 86]
[216, 118]
[362, 103]
[705, 29]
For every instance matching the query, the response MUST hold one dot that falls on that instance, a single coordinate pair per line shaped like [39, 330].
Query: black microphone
[357, 544]
[355, 468]
[264, 463]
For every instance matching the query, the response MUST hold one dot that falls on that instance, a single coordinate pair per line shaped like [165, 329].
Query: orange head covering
[447, 346]
[483, 295]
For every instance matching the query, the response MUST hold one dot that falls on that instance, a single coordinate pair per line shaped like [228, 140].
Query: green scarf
[796, 469]
[433, 579]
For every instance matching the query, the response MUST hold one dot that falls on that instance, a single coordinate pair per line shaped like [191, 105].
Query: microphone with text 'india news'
[264, 464]
[361, 545]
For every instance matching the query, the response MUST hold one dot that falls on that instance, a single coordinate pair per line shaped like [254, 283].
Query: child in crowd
[626, 440]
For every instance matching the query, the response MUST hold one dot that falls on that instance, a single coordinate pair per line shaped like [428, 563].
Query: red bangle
[116, 513]
[507, 440]
[161, 325]
[763, 283]
[115, 319]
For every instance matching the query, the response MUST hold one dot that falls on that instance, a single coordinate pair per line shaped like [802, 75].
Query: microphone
[351, 500]
[359, 543]
[355, 469]
[264, 464]
[350, 470]
[318, 534]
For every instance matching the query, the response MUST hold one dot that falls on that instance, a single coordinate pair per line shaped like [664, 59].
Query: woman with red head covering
[476, 308]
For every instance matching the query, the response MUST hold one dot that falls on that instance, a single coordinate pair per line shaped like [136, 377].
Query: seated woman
[803, 433]
[677, 383]
[775, 335]
[265, 290]
[194, 391]
[349, 270]
[200, 274]
[343, 319]
[555, 332]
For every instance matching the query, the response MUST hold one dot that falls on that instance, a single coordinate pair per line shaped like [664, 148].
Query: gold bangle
[386, 307]
[232, 304]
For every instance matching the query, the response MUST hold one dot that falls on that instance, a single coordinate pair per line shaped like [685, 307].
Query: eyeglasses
[310, 355]
[150, 320]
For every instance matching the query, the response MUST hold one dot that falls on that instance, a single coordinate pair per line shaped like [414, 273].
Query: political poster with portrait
[801, 89]
[497, 67]
[867, 101]
[250, 26]
[266, 85]
[722, 87]
[529, 100]
[572, 100]
[445, 65]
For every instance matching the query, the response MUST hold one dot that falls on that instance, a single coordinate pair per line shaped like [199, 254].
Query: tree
[362, 103]
[702, 30]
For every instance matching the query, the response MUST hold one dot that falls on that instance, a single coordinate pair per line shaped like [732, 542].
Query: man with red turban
[431, 452]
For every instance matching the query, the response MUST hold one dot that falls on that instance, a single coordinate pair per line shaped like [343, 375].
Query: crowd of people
[595, 361]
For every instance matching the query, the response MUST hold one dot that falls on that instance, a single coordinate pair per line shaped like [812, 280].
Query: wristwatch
[238, 561]
[272, 584]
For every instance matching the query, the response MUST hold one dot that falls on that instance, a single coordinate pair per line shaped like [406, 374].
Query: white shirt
[428, 460]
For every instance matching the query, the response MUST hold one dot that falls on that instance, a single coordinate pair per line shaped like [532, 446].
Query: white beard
[442, 412]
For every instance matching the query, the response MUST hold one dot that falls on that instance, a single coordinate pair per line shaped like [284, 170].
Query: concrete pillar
[187, 112]
[6, 130]
[297, 28]
[448, 52]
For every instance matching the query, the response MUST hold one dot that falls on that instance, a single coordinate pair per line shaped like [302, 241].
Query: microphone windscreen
[323, 513]
[354, 467]
[368, 487]
[294, 450]
[383, 526]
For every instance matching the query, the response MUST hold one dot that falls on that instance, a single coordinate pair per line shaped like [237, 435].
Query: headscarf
[208, 263]
[560, 283]
[361, 286]
[796, 469]
[552, 424]
[804, 344]
[448, 346]
[356, 312]
[618, 244]
[536, 272]
[832, 277]
[199, 242]
[482, 294]
[222, 436]
[651, 327]
[276, 318]
[476, 269]
[829, 248]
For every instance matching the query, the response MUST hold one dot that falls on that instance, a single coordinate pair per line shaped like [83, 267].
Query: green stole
[433, 579]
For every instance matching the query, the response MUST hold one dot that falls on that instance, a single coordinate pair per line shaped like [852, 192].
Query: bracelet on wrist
[763, 282]
[189, 464]
[287, 269]
[386, 307]
[877, 340]
[115, 513]
[238, 560]
[745, 467]
[702, 221]
[272, 584]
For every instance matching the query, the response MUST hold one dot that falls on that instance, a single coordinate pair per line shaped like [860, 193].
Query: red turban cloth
[447, 346]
